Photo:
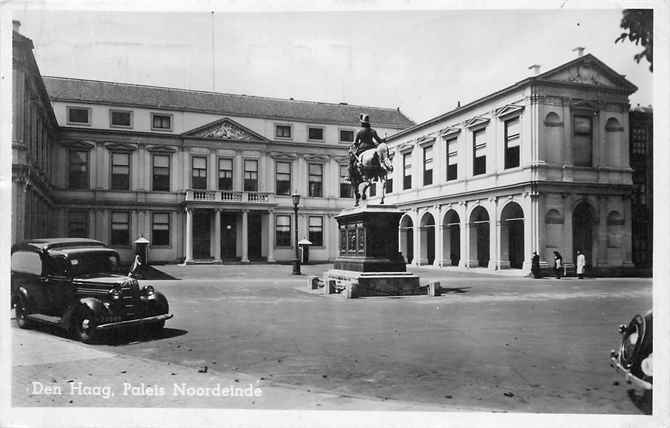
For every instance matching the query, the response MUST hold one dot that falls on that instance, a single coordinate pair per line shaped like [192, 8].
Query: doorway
[201, 234]
[582, 231]
[254, 234]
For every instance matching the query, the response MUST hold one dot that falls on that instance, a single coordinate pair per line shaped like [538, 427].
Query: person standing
[535, 265]
[558, 264]
[581, 264]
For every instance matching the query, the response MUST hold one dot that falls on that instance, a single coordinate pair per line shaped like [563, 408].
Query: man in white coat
[581, 264]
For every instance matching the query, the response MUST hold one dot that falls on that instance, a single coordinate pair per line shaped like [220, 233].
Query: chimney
[579, 50]
[535, 68]
[16, 25]
[458, 104]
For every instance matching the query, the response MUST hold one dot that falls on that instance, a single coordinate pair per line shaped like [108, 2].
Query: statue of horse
[370, 166]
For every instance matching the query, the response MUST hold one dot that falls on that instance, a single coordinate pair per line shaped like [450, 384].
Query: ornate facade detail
[477, 121]
[225, 129]
[450, 131]
[508, 111]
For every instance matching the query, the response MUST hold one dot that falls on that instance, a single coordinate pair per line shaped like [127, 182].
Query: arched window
[553, 137]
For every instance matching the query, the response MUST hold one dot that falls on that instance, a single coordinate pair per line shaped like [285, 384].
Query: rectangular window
[512, 143]
[316, 231]
[79, 115]
[283, 131]
[479, 152]
[389, 185]
[407, 171]
[198, 172]
[225, 174]
[452, 159]
[372, 190]
[583, 147]
[77, 224]
[283, 231]
[251, 176]
[428, 165]
[120, 118]
[345, 186]
[161, 173]
[161, 122]
[160, 229]
[315, 180]
[346, 135]
[120, 171]
[120, 228]
[78, 169]
[283, 178]
[315, 134]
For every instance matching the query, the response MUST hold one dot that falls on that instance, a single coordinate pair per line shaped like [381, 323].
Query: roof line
[198, 91]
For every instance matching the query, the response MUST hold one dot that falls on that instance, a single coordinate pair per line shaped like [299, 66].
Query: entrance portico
[228, 226]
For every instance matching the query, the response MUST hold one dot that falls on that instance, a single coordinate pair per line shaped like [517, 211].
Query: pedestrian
[581, 264]
[535, 265]
[558, 264]
[137, 265]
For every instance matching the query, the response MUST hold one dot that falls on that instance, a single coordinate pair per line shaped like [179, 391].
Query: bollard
[434, 289]
[315, 282]
[330, 287]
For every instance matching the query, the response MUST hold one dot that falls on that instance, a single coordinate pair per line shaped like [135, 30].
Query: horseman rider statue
[363, 168]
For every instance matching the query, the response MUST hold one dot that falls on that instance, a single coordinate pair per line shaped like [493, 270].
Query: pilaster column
[438, 239]
[627, 234]
[567, 229]
[217, 235]
[245, 236]
[271, 235]
[494, 235]
[601, 240]
[238, 173]
[188, 243]
[465, 244]
[418, 232]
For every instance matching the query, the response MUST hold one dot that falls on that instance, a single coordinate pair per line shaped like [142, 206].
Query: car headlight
[115, 293]
[149, 290]
[648, 366]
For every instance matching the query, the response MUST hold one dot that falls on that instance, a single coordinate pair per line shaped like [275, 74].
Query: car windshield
[93, 263]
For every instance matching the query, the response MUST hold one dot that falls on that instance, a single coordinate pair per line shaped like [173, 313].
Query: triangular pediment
[450, 131]
[225, 129]
[588, 70]
[476, 122]
[509, 110]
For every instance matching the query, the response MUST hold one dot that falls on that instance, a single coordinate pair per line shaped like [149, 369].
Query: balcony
[229, 197]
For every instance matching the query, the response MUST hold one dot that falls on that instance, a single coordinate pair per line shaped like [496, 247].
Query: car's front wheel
[21, 312]
[83, 325]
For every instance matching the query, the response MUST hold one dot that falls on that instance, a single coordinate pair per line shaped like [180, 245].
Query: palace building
[542, 165]
[203, 176]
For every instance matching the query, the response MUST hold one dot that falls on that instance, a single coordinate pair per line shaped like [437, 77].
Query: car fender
[22, 291]
[161, 302]
[95, 305]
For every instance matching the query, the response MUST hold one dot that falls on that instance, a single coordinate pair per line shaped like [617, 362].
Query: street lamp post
[296, 265]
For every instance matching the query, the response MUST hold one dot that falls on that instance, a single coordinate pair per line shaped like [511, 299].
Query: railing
[230, 196]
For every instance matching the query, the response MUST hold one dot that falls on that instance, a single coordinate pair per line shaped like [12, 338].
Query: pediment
[588, 70]
[450, 131]
[225, 129]
[120, 147]
[509, 110]
[476, 122]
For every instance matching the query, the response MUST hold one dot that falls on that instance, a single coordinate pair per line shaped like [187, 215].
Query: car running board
[47, 319]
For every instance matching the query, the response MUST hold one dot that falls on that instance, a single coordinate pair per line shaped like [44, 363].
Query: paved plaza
[490, 342]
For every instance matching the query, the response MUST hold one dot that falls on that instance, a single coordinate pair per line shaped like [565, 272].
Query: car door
[57, 285]
[27, 273]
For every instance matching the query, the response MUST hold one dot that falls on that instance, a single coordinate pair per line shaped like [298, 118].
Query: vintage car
[634, 359]
[75, 284]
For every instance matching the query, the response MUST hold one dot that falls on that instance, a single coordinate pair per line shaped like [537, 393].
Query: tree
[640, 26]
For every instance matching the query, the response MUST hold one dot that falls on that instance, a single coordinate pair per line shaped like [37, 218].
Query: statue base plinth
[352, 284]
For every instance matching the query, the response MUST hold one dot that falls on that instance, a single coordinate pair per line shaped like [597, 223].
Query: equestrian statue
[369, 160]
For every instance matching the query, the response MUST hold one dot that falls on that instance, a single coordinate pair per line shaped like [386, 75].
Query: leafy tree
[640, 26]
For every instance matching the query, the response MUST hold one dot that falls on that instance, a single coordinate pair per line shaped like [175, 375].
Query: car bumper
[614, 362]
[147, 320]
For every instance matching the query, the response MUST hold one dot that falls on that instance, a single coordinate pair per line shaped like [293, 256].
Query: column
[494, 235]
[600, 244]
[417, 235]
[438, 238]
[245, 236]
[271, 236]
[188, 244]
[566, 251]
[238, 173]
[217, 235]
[212, 171]
[627, 234]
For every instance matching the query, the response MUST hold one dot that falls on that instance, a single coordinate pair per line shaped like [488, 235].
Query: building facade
[203, 176]
[641, 161]
[34, 134]
[542, 165]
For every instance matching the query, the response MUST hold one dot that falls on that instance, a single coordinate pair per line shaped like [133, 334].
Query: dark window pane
[78, 115]
[452, 172]
[407, 182]
[161, 173]
[346, 135]
[199, 173]
[315, 133]
[283, 231]
[480, 165]
[428, 177]
[283, 131]
[315, 180]
[120, 229]
[389, 185]
[512, 157]
[121, 118]
[372, 190]
[162, 121]
[160, 230]
[78, 169]
[78, 224]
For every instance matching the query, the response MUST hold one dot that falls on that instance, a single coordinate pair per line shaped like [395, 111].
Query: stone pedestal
[369, 263]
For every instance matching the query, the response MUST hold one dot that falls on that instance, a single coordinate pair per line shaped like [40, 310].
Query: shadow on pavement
[153, 274]
[454, 290]
[642, 400]
[134, 335]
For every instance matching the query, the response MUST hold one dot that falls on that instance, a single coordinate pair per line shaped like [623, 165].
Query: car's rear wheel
[83, 326]
[21, 312]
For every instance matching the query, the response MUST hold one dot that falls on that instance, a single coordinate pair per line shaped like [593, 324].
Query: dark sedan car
[634, 358]
[75, 284]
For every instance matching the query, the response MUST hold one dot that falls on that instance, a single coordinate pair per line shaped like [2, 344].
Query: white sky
[420, 61]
